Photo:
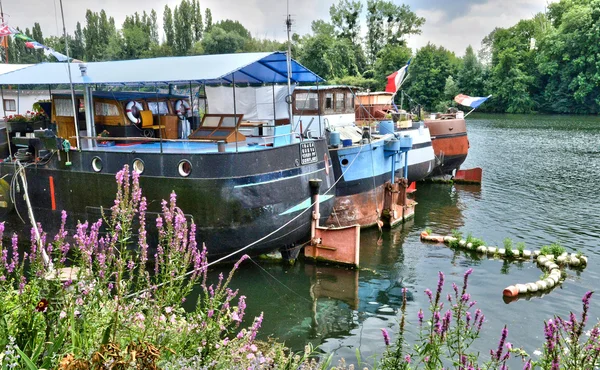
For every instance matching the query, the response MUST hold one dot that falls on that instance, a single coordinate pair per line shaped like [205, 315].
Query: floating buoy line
[553, 266]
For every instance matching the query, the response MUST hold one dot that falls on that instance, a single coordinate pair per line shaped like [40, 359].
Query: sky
[454, 24]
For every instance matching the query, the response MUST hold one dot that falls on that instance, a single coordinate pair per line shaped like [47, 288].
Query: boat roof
[5, 68]
[246, 68]
[325, 87]
[125, 95]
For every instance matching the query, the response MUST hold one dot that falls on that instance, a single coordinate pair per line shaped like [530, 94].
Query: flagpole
[5, 37]
[70, 79]
[489, 96]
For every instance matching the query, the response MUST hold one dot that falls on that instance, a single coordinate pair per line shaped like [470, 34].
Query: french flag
[394, 81]
[470, 101]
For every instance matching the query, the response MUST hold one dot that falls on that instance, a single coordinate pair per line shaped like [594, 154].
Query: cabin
[124, 114]
[316, 108]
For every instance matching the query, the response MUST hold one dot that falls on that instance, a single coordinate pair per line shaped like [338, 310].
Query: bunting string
[6, 30]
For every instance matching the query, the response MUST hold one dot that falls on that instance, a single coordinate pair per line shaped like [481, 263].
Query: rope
[255, 242]
[277, 280]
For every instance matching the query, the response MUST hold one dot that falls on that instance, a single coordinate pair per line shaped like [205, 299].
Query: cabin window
[306, 101]
[339, 102]
[63, 107]
[10, 105]
[329, 101]
[160, 107]
[349, 103]
[106, 109]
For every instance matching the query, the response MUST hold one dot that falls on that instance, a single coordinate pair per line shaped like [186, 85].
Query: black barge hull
[234, 199]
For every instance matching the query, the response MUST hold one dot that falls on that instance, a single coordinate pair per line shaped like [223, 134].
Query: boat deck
[183, 147]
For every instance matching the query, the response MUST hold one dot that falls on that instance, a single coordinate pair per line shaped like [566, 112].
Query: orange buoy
[511, 291]
[424, 234]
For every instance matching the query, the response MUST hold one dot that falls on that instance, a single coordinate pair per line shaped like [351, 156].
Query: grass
[520, 247]
[554, 249]
[508, 248]
[428, 230]
[475, 241]
[456, 234]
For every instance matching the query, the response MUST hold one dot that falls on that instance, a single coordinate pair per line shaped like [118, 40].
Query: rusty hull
[362, 208]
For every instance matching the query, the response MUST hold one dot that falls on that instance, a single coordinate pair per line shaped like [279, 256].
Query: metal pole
[62, 14]
[192, 103]
[7, 133]
[235, 112]
[160, 127]
[321, 133]
[18, 99]
[6, 37]
[288, 23]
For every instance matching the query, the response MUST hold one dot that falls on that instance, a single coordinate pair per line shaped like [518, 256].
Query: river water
[541, 177]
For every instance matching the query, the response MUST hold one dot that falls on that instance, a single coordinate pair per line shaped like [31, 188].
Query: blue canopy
[254, 68]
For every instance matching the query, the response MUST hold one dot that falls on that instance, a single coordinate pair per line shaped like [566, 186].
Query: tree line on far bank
[547, 64]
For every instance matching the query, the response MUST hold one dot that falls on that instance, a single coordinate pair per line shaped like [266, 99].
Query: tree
[470, 76]
[345, 17]
[429, 71]
[153, 25]
[182, 17]
[208, 20]
[233, 26]
[77, 46]
[168, 27]
[219, 41]
[197, 20]
[388, 23]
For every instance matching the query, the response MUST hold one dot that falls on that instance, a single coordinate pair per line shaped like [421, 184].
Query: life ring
[129, 111]
[180, 112]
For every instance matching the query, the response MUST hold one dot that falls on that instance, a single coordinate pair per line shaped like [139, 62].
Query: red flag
[5, 30]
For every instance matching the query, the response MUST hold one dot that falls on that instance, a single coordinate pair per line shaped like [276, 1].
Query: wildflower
[168, 310]
[62, 314]
[235, 317]
[386, 337]
[253, 348]
[501, 343]
[527, 365]
[429, 294]
[420, 316]
[42, 305]
[407, 359]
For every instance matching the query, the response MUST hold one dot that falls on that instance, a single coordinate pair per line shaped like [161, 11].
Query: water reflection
[540, 181]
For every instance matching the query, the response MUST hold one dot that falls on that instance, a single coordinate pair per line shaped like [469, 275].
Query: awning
[253, 68]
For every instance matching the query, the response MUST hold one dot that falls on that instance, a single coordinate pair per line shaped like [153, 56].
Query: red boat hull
[450, 144]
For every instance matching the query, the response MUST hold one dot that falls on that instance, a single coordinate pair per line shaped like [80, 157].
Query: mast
[288, 23]
[6, 37]
[62, 14]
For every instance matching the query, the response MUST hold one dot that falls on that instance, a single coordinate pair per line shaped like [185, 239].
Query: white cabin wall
[332, 119]
[24, 101]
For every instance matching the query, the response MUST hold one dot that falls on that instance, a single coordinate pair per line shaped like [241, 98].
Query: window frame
[13, 101]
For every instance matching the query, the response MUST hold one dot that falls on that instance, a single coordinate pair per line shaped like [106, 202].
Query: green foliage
[520, 247]
[428, 230]
[428, 73]
[219, 41]
[554, 249]
[116, 302]
[475, 241]
[456, 234]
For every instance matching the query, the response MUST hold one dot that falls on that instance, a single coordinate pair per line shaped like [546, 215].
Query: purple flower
[501, 343]
[386, 337]
[429, 294]
[527, 365]
[420, 316]
[407, 359]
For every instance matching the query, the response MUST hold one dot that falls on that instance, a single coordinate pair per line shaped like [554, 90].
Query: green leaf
[26, 359]
[106, 336]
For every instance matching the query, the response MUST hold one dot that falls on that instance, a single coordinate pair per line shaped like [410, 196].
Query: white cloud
[471, 27]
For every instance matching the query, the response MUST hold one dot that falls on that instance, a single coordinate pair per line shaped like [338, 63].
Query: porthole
[97, 164]
[138, 166]
[185, 168]
[345, 162]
